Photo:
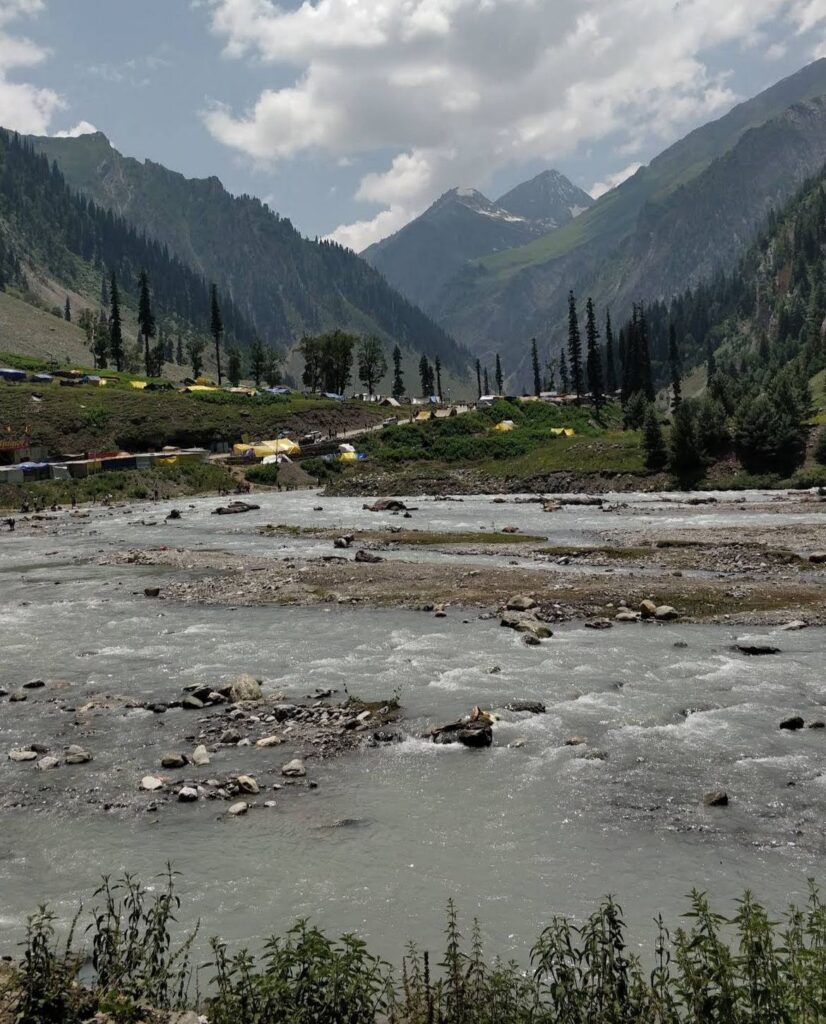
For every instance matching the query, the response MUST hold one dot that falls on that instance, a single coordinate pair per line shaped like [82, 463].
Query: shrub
[264, 474]
[653, 442]
[768, 437]
[820, 446]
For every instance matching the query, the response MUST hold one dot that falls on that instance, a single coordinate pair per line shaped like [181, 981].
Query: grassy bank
[89, 418]
[165, 481]
[711, 969]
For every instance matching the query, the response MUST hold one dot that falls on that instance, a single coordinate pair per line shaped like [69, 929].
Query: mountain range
[687, 215]
[281, 283]
[464, 225]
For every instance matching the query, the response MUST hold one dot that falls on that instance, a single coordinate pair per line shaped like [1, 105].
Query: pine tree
[397, 390]
[653, 442]
[234, 366]
[271, 370]
[685, 454]
[67, 310]
[101, 341]
[425, 376]
[711, 362]
[486, 382]
[575, 349]
[195, 351]
[537, 380]
[216, 326]
[593, 358]
[610, 363]
[104, 292]
[146, 321]
[257, 360]
[644, 355]
[372, 364]
[179, 350]
[437, 363]
[674, 366]
[564, 379]
[478, 378]
[500, 384]
[115, 326]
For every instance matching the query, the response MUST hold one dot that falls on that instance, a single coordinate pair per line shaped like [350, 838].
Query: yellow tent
[348, 457]
[279, 446]
[423, 415]
[563, 431]
[505, 426]
[200, 387]
[138, 385]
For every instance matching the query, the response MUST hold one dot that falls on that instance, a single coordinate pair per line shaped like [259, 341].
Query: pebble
[47, 763]
[23, 755]
[200, 755]
[239, 808]
[247, 784]
[151, 783]
[269, 741]
[187, 794]
[294, 769]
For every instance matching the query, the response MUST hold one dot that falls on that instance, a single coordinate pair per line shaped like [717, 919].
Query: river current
[528, 828]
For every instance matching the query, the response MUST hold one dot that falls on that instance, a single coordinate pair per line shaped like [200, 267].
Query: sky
[351, 116]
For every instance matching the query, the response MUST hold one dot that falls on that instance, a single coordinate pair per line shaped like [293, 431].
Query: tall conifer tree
[610, 362]
[500, 384]
[115, 326]
[216, 325]
[537, 379]
[564, 379]
[398, 378]
[674, 366]
[593, 358]
[146, 321]
[575, 349]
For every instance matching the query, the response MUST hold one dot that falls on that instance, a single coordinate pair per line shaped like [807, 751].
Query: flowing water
[513, 833]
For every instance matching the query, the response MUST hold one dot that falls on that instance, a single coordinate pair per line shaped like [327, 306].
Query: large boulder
[200, 755]
[648, 609]
[664, 612]
[755, 646]
[368, 556]
[174, 761]
[244, 688]
[626, 615]
[294, 769]
[247, 784]
[817, 557]
[534, 707]
[520, 603]
[234, 508]
[717, 798]
[793, 723]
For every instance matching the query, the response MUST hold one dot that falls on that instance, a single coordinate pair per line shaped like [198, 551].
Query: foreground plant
[746, 969]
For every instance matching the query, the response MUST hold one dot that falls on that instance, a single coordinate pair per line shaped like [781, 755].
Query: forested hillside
[47, 230]
[284, 284]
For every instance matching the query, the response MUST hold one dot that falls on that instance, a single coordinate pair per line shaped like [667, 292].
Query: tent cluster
[265, 449]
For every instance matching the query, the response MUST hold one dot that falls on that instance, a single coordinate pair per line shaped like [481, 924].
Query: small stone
[534, 707]
[48, 762]
[270, 803]
[192, 703]
[516, 744]
[575, 741]
[520, 603]
[34, 684]
[368, 556]
[294, 769]
[817, 724]
[200, 755]
[23, 755]
[77, 755]
[817, 557]
[755, 647]
[269, 741]
[598, 624]
[230, 736]
[151, 783]
[795, 624]
[241, 807]
[531, 641]
[151, 591]
[648, 609]
[247, 784]
[187, 794]
[664, 613]
[174, 761]
[793, 723]
[17, 696]
[717, 798]
[626, 616]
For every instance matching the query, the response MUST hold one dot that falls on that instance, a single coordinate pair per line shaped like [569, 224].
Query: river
[513, 834]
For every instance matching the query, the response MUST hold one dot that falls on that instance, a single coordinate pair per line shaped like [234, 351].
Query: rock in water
[664, 613]
[151, 783]
[534, 707]
[187, 794]
[793, 723]
[795, 624]
[520, 603]
[247, 784]
[47, 763]
[245, 687]
[234, 508]
[22, 755]
[200, 755]
[238, 808]
[717, 798]
[269, 741]
[627, 616]
[599, 624]
[294, 769]
[174, 761]
[648, 609]
[756, 647]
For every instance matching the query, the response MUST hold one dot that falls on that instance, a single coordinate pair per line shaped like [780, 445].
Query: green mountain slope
[690, 212]
[284, 284]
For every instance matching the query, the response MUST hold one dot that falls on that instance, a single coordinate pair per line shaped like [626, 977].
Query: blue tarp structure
[333, 395]
[7, 373]
[27, 466]
[42, 378]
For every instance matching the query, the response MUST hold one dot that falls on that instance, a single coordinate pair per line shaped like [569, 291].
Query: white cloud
[81, 128]
[455, 90]
[599, 188]
[23, 107]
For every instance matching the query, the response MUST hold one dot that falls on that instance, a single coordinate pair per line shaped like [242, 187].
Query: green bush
[820, 446]
[713, 969]
[263, 474]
